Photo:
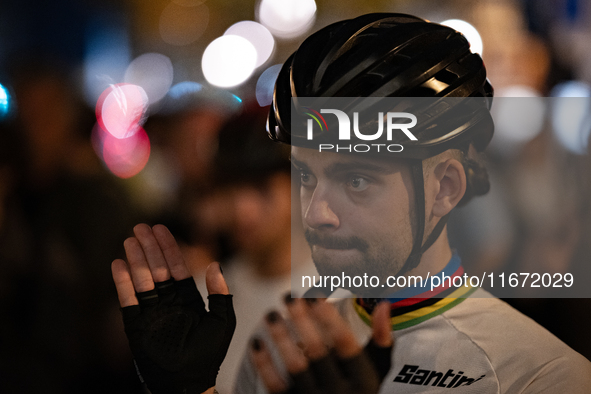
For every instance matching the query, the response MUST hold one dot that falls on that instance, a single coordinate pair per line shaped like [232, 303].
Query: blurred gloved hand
[177, 344]
[314, 367]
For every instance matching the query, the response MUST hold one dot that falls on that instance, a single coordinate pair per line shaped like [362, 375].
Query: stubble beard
[380, 260]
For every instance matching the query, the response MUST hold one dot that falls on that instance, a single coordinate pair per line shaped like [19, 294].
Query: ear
[450, 188]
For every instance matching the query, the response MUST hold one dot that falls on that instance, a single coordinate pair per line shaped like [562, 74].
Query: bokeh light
[182, 23]
[571, 115]
[519, 113]
[468, 31]
[228, 61]
[258, 35]
[287, 18]
[188, 95]
[571, 89]
[184, 88]
[121, 109]
[124, 157]
[153, 72]
[266, 84]
[5, 102]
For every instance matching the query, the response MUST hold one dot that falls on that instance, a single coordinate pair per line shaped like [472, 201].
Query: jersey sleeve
[563, 375]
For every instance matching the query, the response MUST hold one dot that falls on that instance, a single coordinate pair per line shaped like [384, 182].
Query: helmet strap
[419, 247]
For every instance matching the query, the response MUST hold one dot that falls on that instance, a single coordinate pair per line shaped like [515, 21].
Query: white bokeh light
[287, 18]
[468, 31]
[571, 115]
[258, 35]
[519, 114]
[153, 72]
[571, 89]
[228, 61]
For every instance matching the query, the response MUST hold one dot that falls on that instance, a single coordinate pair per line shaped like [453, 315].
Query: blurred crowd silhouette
[63, 218]
[225, 192]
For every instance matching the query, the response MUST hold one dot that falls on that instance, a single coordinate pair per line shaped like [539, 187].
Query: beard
[353, 256]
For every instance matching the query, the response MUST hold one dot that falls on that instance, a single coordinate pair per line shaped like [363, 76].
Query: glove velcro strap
[147, 298]
[166, 287]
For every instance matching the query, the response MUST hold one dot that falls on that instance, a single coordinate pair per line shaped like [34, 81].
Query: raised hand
[321, 353]
[177, 344]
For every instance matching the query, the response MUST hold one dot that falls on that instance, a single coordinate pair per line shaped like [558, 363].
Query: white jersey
[479, 344]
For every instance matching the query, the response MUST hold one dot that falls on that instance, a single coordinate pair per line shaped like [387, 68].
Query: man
[384, 215]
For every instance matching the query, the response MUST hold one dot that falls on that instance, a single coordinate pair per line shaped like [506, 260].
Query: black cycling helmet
[389, 55]
[393, 55]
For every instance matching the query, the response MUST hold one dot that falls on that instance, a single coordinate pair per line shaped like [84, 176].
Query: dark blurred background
[115, 112]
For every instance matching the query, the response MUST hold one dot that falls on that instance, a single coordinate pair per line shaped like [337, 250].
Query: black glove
[178, 346]
[361, 374]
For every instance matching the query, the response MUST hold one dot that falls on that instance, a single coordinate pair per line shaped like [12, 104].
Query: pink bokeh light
[124, 157]
[121, 109]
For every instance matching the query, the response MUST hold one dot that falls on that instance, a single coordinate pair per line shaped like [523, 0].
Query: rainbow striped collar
[413, 305]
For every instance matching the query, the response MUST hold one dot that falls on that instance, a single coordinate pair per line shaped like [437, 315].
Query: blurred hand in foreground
[314, 367]
[177, 344]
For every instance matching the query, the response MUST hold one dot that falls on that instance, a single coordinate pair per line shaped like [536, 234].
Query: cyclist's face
[356, 212]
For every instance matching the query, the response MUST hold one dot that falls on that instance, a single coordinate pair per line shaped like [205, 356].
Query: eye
[358, 183]
[306, 179]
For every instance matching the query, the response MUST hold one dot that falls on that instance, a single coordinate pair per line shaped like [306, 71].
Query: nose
[318, 214]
